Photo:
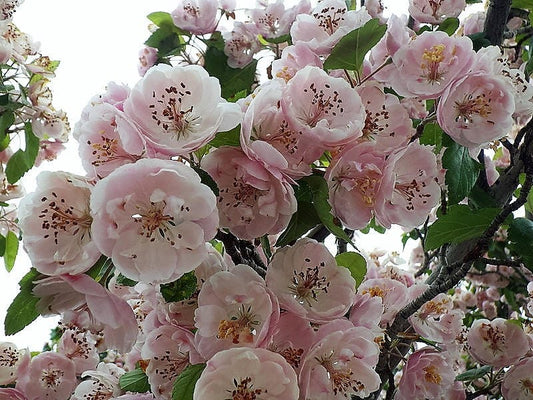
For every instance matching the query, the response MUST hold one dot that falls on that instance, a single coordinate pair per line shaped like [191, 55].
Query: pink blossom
[429, 63]
[294, 58]
[167, 350]
[340, 364]
[498, 343]
[11, 394]
[324, 108]
[274, 20]
[235, 308]
[327, 23]
[435, 11]
[80, 347]
[48, 123]
[106, 311]
[179, 109]
[416, 108]
[56, 222]
[355, 180]
[518, 383]
[147, 59]
[307, 281]
[107, 140]
[115, 94]
[253, 200]
[366, 311]
[428, 375]
[153, 218]
[437, 320]
[241, 44]
[100, 383]
[392, 292]
[415, 188]
[11, 360]
[476, 110]
[50, 375]
[196, 16]
[474, 23]
[247, 373]
[48, 150]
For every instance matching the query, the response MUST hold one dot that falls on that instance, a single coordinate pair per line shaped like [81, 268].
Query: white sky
[97, 42]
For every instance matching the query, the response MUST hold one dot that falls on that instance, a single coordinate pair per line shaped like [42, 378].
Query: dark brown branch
[497, 15]
[242, 252]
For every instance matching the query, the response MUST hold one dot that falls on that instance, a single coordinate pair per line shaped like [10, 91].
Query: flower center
[170, 366]
[244, 390]
[51, 378]
[306, 285]
[527, 385]
[322, 106]
[471, 105]
[340, 376]
[432, 375]
[240, 328]
[8, 357]
[494, 336]
[372, 123]
[292, 355]
[433, 308]
[329, 19]
[431, 60]
[191, 10]
[375, 291]
[152, 219]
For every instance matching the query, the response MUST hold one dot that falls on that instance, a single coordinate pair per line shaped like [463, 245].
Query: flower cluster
[191, 261]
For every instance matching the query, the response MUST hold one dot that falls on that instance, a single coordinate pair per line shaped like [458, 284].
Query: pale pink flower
[308, 282]
[6, 50]
[9, 191]
[56, 223]
[387, 122]
[275, 20]
[355, 180]
[47, 123]
[435, 11]
[48, 150]
[437, 320]
[241, 44]
[179, 109]
[153, 218]
[474, 23]
[476, 110]
[518, 383]
[147, 59]
[105, 311]
[393, 294]
[324, 108]
[415, 188]
[294, 58]
[375, 8]
[340, 364]
[247, 373]
[235, 309]
[50, 375]
[253, 200]
[196, 16]
[428, 375]
[102, 383]
[498, 343]
[327, 23]
[11, 359]
[366, 311]
[167, 351]
[80, 347]
[107, 140]
[416, 108]
[11, 394]
[264, 122]
[429, 63]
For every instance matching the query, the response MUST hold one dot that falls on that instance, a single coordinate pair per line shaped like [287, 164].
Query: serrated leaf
[304, 219]
[520, 236]
[461, 172]
[11, 250]
[432, 136]
[319, 189]
[6, 120]
[228, 138]
[473, 374]
[351, 50]
[449, 25]
[355, 263]
[184, 384]
[181, 289]
[134, 381]
[459, 224]
[23, 309]
[22, 161]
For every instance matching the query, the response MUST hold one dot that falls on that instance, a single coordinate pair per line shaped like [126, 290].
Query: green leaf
[520, 236]
[319, 189]
[183, 388]
[167, 38]
[11, 250]
[432, 136]
[461, 172]
[373, 225]
[449, 25]
[134, 381]
[228, 138]
[280, 39]
[181, 289]
[351, 50]
[479, 40]
[355, 262]
[479, 198]
[459, 224]
[122, 280]
[22, 161]
[207, 180]
[304, 219]
[160, 18]
[23, 309]
[2, 245]
[232, 80]
[526, 4]
[6, 120]
[265, 245]
[474, 373]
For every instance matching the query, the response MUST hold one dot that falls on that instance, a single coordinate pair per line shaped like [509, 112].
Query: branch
[497, 15]
[242, 252]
